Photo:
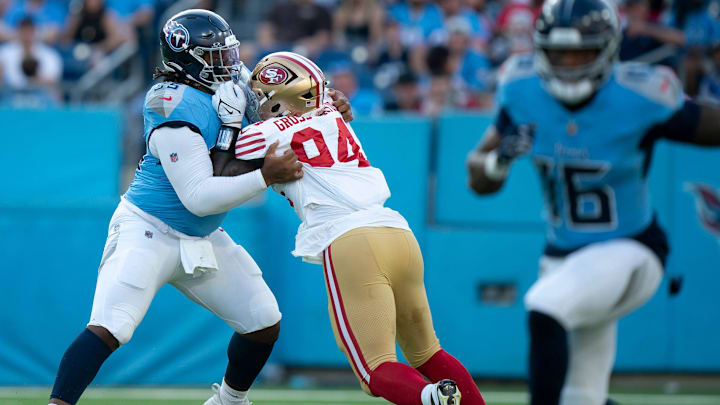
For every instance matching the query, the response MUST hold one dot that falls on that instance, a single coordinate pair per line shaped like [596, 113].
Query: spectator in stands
[466, 65]
[480, 33]
[364, 101]
[30, 68]
[48, 16]
[392, 58]
[693, 17]
[138, 16]
[6, 33]
[710, 83]
[406, 96]
[640, 36]
[444, 92]
[439, 97]
[302, 23]
[515, 27]
[135, 13]
[418, 19]
[95, 31]
[358, 22]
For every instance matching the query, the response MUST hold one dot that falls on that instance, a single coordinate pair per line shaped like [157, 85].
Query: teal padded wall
[55, 207]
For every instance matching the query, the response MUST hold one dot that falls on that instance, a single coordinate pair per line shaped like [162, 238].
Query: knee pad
[535, 301]
[122, 326]
[265, 312]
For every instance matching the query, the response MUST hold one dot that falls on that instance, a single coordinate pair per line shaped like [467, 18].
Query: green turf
[183, 396]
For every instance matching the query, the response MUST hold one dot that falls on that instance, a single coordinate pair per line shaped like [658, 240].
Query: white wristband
[494, 170]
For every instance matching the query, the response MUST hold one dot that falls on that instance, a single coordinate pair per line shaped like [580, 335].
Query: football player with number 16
[589, 124]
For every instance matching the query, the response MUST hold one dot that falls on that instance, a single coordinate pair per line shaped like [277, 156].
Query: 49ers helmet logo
[273, 75]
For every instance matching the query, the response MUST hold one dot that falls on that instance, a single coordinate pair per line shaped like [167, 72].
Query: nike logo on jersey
[166, 98]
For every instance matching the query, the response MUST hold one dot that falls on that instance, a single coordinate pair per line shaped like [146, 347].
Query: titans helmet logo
[707, 205]
[176, 36]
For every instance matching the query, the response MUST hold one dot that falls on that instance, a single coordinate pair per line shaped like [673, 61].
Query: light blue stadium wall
[55, 206]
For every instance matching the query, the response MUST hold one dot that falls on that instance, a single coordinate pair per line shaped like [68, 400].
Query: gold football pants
[376, 294]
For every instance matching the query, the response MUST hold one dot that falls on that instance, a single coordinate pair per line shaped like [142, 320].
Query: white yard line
[334, 396]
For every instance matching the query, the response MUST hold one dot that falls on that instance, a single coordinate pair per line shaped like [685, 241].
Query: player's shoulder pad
[517, 67]
[177, 100]
[658, 84]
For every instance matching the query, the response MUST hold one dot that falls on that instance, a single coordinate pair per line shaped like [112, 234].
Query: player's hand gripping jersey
[340, 190]
[593, 161]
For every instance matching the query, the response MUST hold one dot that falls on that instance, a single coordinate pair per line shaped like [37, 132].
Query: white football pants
[142, 254]
[587, 292]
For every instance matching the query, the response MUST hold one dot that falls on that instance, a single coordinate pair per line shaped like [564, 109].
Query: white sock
[426, 394]
[232, 396]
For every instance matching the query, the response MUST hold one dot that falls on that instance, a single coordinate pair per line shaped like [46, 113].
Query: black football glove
[515, 141]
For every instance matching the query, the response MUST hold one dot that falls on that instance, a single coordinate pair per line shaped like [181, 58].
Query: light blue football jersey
[592, 161]
[173, 104]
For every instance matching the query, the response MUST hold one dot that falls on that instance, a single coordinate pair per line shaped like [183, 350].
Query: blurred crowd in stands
[404, 55]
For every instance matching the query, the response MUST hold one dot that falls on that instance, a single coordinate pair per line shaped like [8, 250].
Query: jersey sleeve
[254, 140]
[251, 144]
[659, 89]
[176, 105]
[663, 104]
[681, 127]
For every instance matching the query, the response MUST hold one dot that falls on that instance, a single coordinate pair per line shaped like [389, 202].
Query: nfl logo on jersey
[173, 157]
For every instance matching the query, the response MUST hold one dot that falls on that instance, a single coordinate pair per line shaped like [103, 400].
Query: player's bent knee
[366, 389]
[105, 336]
[536, 301]
[120, 327]
[267, 335]
[265, 312]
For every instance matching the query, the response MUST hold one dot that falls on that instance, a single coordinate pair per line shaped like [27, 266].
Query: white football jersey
[339, 191]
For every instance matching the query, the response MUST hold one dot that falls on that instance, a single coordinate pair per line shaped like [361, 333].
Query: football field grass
[186, 396]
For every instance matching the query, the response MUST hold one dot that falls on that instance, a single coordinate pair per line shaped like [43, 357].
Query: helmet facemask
[574, 84]
[220, 64]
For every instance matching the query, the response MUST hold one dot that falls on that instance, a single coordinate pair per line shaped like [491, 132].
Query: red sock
[442, 365]
[398, 383]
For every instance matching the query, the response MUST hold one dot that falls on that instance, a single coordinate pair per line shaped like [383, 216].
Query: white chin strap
[570, 93]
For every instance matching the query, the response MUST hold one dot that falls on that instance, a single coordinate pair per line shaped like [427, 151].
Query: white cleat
[217, 400]
[446, 392]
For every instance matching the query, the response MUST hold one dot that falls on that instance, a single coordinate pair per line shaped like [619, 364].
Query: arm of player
[246, 158]
[480, 158]
[184, 157]
[692, 123]
[252, 145]
[489, 164]
[708, 128]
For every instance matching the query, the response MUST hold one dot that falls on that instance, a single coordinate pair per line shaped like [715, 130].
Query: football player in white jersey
[372, 263]
[166, 227]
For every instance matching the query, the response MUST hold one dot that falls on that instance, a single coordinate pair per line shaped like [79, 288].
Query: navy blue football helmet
[199, 45]
[576, 25]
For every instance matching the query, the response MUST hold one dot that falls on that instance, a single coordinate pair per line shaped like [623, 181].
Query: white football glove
[229, 102]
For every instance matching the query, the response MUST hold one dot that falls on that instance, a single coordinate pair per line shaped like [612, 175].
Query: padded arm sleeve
[186, 161]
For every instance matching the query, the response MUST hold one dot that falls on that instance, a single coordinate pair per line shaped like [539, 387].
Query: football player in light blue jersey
[166, 227]
[589, 123]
